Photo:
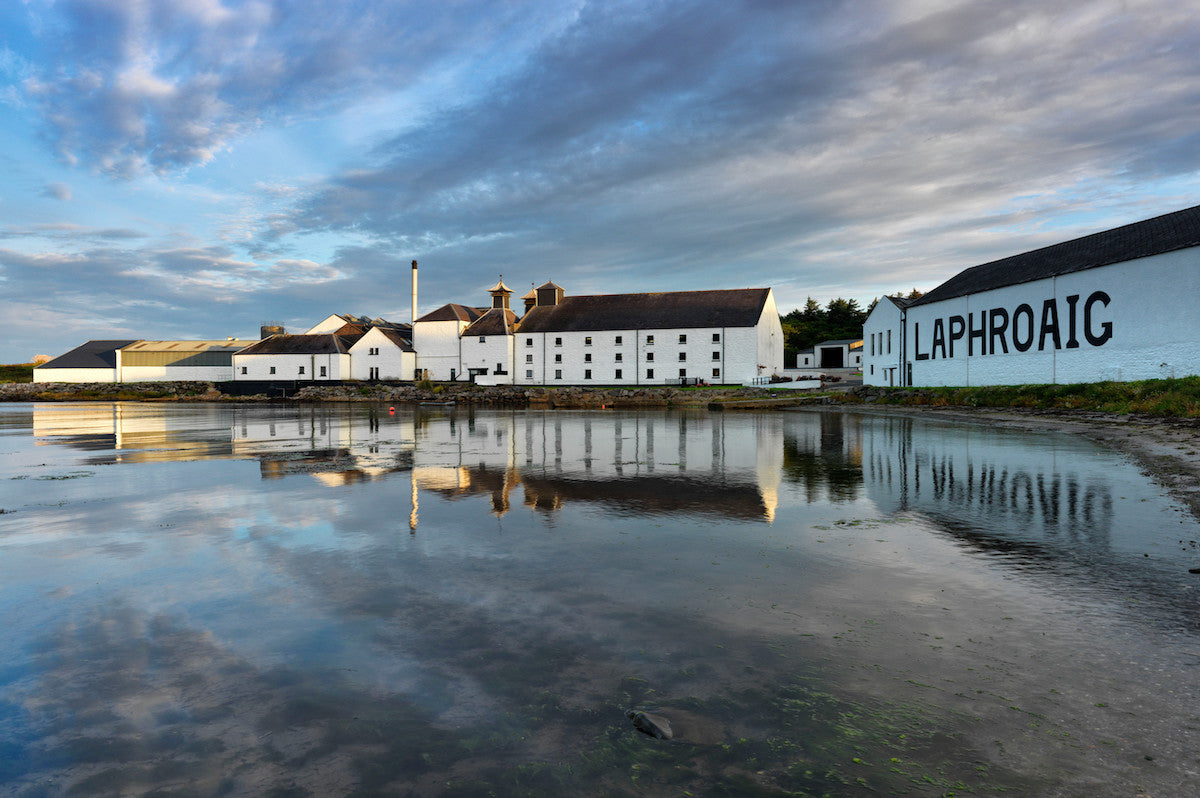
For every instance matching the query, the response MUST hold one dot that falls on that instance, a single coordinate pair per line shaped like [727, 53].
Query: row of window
[323, 372]
[649, 357]
[879, 335]
[617, 374]
[617, 340]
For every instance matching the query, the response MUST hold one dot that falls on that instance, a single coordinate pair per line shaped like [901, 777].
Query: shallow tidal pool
[351, 600]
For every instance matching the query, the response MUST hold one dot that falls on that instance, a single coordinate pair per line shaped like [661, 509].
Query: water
[335, 600]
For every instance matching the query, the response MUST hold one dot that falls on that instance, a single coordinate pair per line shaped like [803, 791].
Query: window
[587, 374]
[649, 374]
[716, 355]
[682, 356]
[617, 374]
[558, 342]
[872, 344]
[272, 369]
[587, 340]
[323, 371]
[716, 338]
[683, 372]
[528, 342]
[373, 373]
[618, 357]
[483, 339]
[716, 373]
[558, 358]
[499, 368]
[558, 374]
[587, 358]
[529, 374]
[649, 357]
[302, 369]
[872, 368]
[889, 332]
[617, 340]
[682, 338]
[649, 340]
[243, 369]
[529, 358]
[375, 350]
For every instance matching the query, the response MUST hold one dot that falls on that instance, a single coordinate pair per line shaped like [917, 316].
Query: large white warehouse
[1117, 305]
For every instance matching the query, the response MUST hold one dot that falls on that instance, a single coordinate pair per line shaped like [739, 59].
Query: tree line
[808, 326]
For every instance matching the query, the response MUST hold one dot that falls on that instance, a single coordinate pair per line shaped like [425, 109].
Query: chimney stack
[414, 290]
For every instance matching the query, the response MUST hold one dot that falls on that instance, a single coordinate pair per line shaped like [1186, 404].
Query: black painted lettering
[1072, 338]
[1027, 312]
[1049, 325]
[939, 338]
[917, 344]
[1106, 329]
[958, 328]
[973, 333]
[997, 326]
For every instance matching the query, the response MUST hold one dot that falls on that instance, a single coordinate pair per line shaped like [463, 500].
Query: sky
[195, 168]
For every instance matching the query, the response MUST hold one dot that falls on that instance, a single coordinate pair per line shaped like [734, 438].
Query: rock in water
[650, 723]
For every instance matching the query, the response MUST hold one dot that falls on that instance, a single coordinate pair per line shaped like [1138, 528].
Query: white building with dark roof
[143, 361]
[1116, 305]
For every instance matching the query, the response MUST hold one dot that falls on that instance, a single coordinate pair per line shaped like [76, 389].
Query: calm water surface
[335, 600]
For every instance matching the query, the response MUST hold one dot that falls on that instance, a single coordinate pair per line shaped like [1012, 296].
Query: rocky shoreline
[570, 397]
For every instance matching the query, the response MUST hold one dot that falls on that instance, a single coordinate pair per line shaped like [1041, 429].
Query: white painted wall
[492, 351]
[74, 375]
[393, 362]
[287, 367]
[882, 355]
[1143, 324]
[437, 347]
[539, 357]
[176, 373]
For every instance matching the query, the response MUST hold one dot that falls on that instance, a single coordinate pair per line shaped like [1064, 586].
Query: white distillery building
[1117, 305]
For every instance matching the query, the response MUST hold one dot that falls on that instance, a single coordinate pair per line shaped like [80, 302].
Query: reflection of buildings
[1009, 484]
[693, 463]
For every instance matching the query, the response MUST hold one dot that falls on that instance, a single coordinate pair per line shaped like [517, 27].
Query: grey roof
[92, 355]
[1167, 233]
[454, 312]
[842, 342]
[676, 310]
[497, 321]
[318, 344]
[401, 338]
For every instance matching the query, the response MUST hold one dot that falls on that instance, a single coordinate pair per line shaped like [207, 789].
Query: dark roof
[677, 310]
[1167, 233]
[841, 342]
[453, 312]
[92, 355]
[497, 321]
[402, 339]
[319, 344]
[900, 302]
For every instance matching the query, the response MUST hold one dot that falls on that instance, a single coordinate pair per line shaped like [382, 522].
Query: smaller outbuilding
[94, 361]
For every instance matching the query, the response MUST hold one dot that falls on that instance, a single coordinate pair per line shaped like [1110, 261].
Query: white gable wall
[392, 361]
[882, 353]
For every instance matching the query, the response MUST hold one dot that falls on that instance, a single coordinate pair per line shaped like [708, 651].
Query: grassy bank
[16, 372]
[1176, 397]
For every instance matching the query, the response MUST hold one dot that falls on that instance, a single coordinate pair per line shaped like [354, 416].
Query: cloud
[58, 191]
[160, 85]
